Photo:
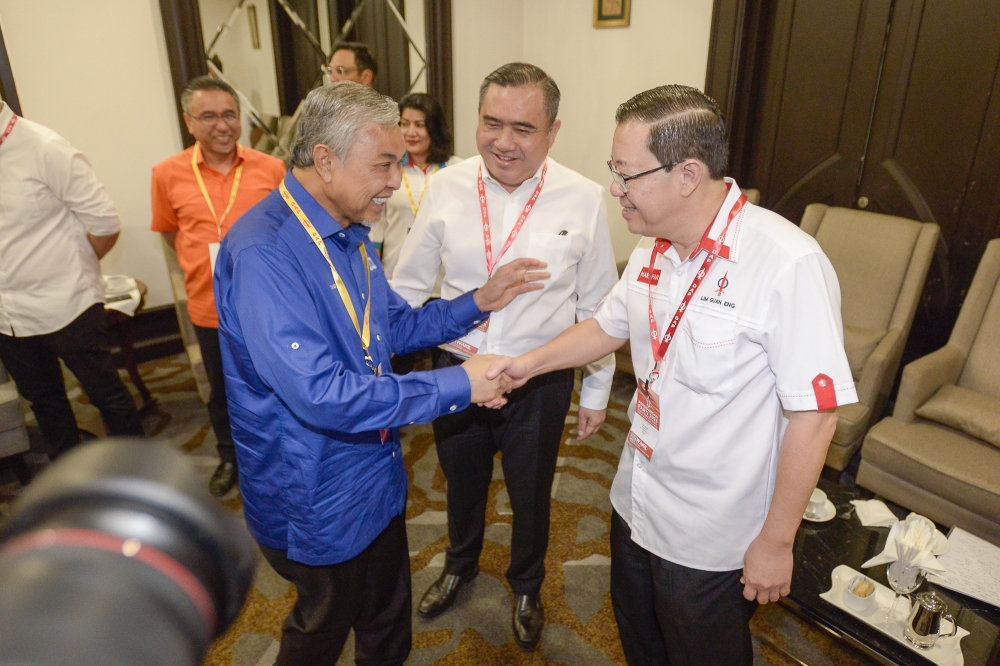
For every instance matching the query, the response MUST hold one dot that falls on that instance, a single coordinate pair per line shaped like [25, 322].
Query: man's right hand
[515, 368]
[486, 390]
[508, 282]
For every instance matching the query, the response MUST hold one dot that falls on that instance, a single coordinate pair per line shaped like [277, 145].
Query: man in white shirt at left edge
[535, 208]
[56, 222]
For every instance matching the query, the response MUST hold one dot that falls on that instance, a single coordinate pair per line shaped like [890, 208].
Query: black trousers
[673, 615]
[370, 592]
[33, 363]
[527, 431]
[218, 409]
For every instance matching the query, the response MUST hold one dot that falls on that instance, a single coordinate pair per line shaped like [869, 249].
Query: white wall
[485, 35]
[250, 70]
[97, 73]
[596, 69]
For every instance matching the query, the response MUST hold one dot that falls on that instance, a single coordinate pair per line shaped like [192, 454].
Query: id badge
[213, 253]
[646, 426]
[469, 344]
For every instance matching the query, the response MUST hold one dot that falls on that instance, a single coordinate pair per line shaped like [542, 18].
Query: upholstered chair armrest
[883, 360]
[923, 377]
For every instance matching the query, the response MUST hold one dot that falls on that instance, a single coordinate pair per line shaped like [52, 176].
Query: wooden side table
[122, 327]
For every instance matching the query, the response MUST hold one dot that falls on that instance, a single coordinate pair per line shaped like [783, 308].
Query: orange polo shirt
[178, 205]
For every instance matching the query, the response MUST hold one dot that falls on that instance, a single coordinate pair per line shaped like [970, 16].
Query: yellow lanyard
[409, 195]
[364, 333]
[204, 190]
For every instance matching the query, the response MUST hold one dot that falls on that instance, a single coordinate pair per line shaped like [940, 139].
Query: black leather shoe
[224, 479]
[441, 595]
[528, 621]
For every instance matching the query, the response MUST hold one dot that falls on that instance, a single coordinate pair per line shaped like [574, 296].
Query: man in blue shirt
[309, 323]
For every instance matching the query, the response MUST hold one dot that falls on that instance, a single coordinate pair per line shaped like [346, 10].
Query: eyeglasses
[210, 119]
[622, 180]
[340, 70]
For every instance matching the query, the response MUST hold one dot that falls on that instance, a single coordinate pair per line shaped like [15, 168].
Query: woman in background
[428, 149]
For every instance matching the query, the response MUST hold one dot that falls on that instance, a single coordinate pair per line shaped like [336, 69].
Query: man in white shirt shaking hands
[734, 318]
[531, 207]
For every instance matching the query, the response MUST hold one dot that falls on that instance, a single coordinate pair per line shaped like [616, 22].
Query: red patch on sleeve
[826, 396]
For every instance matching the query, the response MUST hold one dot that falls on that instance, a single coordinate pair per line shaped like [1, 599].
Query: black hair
[437, 126]
[686, 123]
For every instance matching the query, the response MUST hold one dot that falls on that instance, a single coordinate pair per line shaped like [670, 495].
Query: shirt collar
[730, 245]
[530, 182]
[236, 163]
[322, 220]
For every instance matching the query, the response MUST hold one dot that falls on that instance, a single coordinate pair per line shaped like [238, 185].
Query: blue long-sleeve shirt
[305, 408]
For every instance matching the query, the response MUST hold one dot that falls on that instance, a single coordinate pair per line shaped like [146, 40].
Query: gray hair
[516, 74]
[205, 83]
[333, 114]
[686, 123]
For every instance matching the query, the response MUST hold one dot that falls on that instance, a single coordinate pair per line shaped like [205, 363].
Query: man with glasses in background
[197, 196]
[352, 61]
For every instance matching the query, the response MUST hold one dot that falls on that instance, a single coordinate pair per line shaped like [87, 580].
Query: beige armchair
[939, 452]
[882, 263]
[188, 336]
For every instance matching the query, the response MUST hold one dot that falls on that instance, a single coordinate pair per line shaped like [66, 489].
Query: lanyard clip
[653, 374]
[370, 362]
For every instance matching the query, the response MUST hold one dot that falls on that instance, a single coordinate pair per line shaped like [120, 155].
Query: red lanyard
[487, 238]
[10, 128]
[660, 247]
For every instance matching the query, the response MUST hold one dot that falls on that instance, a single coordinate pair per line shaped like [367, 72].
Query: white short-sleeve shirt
[761, 329]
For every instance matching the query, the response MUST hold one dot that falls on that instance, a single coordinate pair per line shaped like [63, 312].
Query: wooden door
[820, 76]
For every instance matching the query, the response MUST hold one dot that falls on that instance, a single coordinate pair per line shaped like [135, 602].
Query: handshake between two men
[493, 376]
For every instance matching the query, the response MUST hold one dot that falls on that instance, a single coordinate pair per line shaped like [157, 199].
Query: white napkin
[116, 286]
[913, 541]
[874, 513]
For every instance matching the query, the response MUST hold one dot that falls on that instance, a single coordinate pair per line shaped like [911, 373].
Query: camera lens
[118, 555]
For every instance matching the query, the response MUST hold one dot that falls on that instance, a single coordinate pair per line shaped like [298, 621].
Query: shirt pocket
[553, 249]
[19, 201]
[706, 354]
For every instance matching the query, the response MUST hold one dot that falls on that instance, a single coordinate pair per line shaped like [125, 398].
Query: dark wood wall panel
[819, 75]
[185, 50]
[8, 91]
[437, 22]
[814, 92]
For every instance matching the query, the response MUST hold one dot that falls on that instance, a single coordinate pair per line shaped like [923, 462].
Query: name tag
[649, 276]
[646, 427]
[213, 253]
[469, 344]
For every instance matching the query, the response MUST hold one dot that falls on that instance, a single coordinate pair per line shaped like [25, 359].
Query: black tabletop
[820, 547]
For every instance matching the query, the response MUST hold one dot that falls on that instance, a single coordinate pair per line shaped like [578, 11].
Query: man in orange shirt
[197, 195]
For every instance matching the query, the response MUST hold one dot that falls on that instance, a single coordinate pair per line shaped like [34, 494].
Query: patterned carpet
[580, 628]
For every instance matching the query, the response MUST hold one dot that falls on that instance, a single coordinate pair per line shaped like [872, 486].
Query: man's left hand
[588, 421]
[508, 282]
[767, 571]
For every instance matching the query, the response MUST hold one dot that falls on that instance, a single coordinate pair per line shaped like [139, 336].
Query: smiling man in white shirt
[733, 313]
[532, 207]
[56, 222]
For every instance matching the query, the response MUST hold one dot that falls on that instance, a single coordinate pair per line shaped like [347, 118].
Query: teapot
[923, 627]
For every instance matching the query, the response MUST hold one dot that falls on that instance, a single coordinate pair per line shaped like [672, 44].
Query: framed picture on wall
[611, 13]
